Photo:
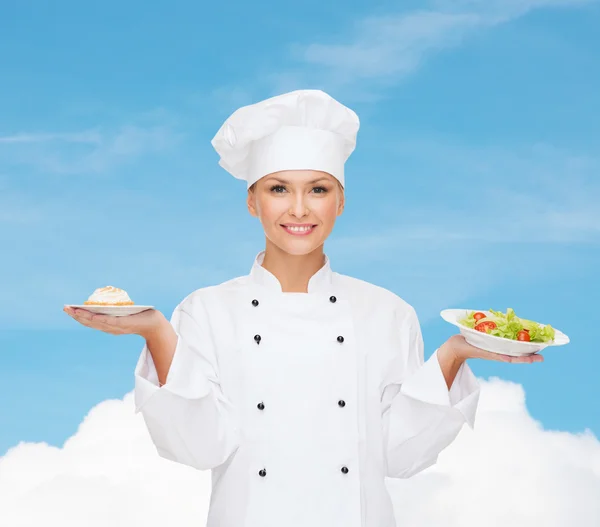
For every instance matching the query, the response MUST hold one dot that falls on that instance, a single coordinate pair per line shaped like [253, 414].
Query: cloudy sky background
[475, 184]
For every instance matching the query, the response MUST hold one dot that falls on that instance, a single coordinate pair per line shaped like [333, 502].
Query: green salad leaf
[508, 325]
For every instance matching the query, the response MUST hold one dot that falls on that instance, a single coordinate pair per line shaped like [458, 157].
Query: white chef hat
[299, 130]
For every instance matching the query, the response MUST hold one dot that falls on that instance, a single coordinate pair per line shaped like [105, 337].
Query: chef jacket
[301, 403]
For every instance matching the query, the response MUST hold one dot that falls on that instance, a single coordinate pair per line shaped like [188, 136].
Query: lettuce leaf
[509, 324]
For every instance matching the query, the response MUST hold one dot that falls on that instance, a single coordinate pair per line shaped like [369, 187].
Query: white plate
[515, 348]
[115, 311]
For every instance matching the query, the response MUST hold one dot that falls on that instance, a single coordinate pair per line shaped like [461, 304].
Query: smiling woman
[302, 389]
[297, 210]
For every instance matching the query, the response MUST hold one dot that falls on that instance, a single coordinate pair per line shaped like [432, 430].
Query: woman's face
[297, 208]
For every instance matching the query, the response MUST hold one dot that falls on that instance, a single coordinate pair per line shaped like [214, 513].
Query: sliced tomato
[486, 326]
[478, 316]
[524, 336]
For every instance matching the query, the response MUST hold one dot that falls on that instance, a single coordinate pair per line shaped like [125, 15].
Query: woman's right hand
[144, 324]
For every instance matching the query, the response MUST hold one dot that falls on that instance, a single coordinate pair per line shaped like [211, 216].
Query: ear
[341, 203]
[251, 203]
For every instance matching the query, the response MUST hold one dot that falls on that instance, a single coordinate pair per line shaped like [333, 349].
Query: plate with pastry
[110, 300]
[504, 333]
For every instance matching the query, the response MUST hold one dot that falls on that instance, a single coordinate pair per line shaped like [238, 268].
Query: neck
[293, 271]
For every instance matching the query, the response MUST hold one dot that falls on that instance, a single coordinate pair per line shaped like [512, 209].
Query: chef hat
[299, 130]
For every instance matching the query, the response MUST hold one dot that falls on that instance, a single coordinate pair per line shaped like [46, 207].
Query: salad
[508, 326]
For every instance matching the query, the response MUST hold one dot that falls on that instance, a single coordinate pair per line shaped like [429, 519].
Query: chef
[300, 388]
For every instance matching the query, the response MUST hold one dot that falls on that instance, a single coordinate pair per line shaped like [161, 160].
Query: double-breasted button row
[341, 404]
[261, 406]
[332, 299]
[258, 338]
[262, 472]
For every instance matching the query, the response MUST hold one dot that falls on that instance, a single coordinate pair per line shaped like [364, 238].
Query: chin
[298, 247]
[298, 251]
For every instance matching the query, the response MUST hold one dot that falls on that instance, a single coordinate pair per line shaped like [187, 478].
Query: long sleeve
[420, 415]
[189, 418]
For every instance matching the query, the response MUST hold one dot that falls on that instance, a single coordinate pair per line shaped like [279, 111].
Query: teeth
[299, 229]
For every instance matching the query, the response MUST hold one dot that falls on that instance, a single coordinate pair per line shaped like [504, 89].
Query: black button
[342, 403]
[345, 470]
[255, 302]
[332, 299]
[340, 339]
[262, 473]
[261, 406]
[257, 338]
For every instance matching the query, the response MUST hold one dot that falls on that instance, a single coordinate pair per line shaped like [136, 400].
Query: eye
[278, 189]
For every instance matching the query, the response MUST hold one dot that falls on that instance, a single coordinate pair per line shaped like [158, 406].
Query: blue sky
[474, 183]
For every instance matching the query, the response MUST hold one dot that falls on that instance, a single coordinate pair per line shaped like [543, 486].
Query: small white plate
[515, 348]
[115, 311]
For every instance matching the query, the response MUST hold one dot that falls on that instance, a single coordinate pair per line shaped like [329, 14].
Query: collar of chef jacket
[320, 282]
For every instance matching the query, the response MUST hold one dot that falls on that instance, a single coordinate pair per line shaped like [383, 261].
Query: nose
[299, 206]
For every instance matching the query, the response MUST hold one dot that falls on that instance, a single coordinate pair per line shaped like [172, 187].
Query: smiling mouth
[299, 230]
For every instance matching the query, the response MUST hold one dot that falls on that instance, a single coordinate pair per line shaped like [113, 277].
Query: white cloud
[88, 151]
[88, 136]
[380, 51]
[510, 471]
[388, 48]
[536, 194]
[531, 193]
[389, 45]
[108, 473]
[504, 9]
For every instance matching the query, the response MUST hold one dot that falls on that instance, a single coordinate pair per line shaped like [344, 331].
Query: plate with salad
[504, 333]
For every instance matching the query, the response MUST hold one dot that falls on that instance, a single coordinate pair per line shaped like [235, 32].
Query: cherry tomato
[524, 336]
[485, 326]
[478, 316]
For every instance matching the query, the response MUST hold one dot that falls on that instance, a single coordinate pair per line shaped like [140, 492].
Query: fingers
[526, 359]
[489, 355]
[78, 315]
[521, 359]
[529, 359]
[93, 320]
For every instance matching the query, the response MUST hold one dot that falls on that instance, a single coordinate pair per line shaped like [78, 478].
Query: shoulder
[375, 297]
[199, 298]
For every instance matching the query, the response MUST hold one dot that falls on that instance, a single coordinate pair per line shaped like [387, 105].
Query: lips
[299, 229]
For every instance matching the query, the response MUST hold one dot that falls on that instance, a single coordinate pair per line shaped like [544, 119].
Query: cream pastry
[109, 296]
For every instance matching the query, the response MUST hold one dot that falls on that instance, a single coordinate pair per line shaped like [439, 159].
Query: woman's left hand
[462, 350]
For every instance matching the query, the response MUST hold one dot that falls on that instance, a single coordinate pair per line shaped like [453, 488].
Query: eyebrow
[285, 182]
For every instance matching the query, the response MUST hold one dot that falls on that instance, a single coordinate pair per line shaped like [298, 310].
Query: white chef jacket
[301, 403]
